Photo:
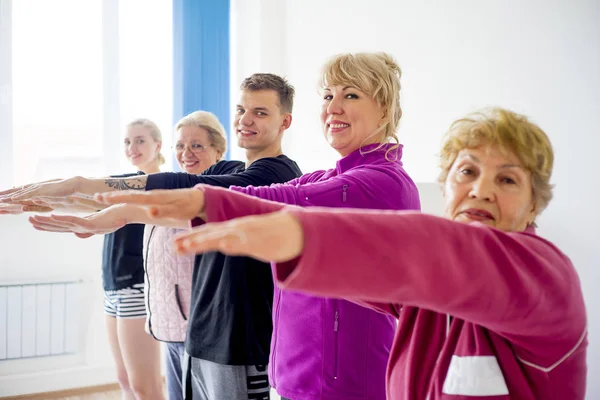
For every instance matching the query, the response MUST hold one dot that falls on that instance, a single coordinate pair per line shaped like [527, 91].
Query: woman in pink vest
[200, 142]
[486, 308]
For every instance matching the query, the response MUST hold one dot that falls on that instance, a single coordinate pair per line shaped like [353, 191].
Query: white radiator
[39, 319]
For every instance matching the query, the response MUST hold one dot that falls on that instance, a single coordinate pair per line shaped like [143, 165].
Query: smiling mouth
[337, 127]
[246, 133]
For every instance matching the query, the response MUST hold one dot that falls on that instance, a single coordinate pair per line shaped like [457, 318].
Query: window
[145, 69]
[80, 71]
[56, 88]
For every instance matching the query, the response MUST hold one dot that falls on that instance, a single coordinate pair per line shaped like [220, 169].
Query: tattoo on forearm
[127, 183]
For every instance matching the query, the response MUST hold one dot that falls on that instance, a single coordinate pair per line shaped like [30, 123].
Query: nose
[246, 119]
[335, 106]
[482, 189]
[187, 151]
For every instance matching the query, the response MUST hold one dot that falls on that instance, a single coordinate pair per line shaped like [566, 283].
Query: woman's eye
[466, 171]
[509, 181]
[327, 97]
[351, 96]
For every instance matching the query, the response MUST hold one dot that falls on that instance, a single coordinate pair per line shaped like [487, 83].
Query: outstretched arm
[68, 193]
[202, 202]
[261, 172]
[515, 284]
[106, 221]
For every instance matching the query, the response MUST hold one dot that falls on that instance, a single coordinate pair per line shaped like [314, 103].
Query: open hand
[102, 222]
[43, 196]
[178, 204]
[11, 209]
[270, 237]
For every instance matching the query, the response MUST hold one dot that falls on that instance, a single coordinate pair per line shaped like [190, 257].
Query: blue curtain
[201, 59]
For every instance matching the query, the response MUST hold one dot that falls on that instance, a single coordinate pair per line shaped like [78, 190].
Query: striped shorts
[125, 303]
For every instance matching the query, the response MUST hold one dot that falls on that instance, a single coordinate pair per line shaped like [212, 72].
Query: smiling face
[194, 150]
[259, 121]
[491, 186]
[350, 118]
[140, 148]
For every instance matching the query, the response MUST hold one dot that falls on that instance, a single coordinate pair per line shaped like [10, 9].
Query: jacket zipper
[275, 326]
[448, 323]
[148, 282]
[336, 329]
[179, 302]
[344, 193]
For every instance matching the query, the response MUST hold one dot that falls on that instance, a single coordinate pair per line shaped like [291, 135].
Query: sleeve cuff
[295, 274]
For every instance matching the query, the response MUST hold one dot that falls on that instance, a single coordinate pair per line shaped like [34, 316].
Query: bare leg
[113, 341]
[141, 356]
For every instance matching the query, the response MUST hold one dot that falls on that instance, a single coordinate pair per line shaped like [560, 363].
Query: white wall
[28, 255]
[537, 57]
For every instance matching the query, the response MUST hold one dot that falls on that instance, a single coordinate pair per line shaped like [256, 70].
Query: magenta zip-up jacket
[482, 313]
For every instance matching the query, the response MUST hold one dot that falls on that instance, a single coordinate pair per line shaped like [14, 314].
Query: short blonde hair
[210, 122]
[511, 132]
[154, 133]
[376, 74]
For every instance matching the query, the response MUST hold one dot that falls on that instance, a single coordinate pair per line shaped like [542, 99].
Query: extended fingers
[213, 237]
[11, 209]
[49, 221]
[46, 224]
[9, 192]
[26, 193]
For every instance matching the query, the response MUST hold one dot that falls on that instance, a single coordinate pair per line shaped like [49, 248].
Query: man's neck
[253, 154]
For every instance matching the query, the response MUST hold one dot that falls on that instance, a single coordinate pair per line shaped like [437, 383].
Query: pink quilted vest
[168, 285]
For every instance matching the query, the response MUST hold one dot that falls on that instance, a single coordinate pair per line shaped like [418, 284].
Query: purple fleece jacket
[332, 349]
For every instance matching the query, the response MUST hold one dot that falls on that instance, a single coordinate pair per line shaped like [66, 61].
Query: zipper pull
[336, 324]
[344, 193]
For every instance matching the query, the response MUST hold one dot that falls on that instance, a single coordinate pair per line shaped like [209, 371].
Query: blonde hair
[154, 133]
[510, 132]
[376, 74]
[210, 122]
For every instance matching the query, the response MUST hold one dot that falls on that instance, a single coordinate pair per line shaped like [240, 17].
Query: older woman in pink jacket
[486, 308]
[200, 142]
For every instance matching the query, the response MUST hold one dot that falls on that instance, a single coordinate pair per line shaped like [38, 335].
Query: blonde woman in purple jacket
[324, 348]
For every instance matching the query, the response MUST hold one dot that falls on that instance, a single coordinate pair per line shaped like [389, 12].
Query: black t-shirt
[232, 297]
[224, 167]
[122, 260]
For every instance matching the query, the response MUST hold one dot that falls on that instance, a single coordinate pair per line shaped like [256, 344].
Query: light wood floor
[104, 392]
[112, 395]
